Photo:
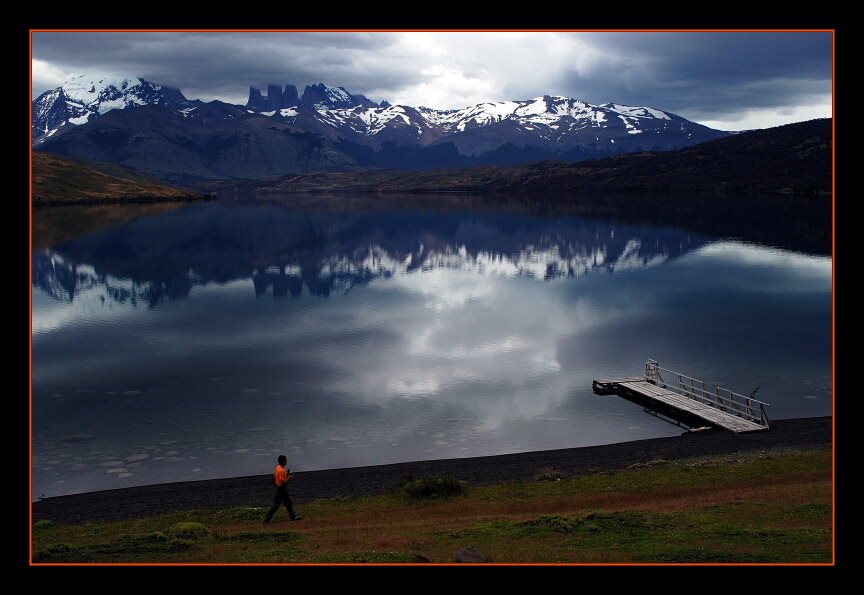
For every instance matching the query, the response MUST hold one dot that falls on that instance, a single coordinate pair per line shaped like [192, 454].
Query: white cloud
[46, 76]
[445, 88]
[461, 69]
[812, 268]
[753, 118]
[696, 76]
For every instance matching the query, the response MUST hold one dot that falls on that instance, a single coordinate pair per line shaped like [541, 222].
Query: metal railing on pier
[743, 406]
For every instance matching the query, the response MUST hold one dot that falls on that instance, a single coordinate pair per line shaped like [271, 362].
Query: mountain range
[789, 159]
[155, 129]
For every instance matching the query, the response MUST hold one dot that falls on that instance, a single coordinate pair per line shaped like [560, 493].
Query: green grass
[764, 507]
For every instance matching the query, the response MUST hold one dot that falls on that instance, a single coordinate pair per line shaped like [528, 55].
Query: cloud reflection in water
[352, 339]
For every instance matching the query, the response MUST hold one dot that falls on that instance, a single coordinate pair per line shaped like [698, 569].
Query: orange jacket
[280, 475]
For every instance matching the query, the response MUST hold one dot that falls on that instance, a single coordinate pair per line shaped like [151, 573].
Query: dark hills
[221, 142]
[792, 159]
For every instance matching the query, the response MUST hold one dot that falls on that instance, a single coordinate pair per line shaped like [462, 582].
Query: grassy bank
[60, 180]
[762, 507]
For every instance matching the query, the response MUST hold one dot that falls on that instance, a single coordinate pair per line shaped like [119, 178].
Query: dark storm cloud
[702, 76]
[707, 74]
[219, 64]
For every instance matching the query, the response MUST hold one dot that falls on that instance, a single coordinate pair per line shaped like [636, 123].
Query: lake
[204, 340]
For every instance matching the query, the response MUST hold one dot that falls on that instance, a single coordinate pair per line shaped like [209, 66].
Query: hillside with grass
[795, 159]
[61, 180]
[758, 507]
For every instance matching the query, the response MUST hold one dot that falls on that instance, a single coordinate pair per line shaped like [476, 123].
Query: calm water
[203, 342]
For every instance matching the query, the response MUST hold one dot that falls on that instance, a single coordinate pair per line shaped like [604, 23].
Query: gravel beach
[256, 490]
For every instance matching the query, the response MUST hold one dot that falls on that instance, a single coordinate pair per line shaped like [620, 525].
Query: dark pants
[281, 498]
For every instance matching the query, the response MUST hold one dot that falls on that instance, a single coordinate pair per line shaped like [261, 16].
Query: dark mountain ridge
[791, 159]
[156, 130]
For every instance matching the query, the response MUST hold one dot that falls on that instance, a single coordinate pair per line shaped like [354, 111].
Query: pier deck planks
[711, 415]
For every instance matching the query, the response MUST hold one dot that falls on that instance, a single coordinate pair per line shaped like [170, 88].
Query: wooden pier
[688, 401]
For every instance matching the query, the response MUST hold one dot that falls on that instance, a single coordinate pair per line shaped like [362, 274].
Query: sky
[729, 80]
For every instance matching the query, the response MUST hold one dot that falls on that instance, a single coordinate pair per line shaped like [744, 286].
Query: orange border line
[833, 306]
[833, 255]
[30, 285]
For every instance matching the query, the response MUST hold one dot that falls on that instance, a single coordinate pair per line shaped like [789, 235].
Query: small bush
[597, 514]
[554, 522]
[189, 530]
[51, 551]
[154, 541]
[43, 524]
[651, 464]
[60, 548]
[42, 555]
[549, 474]
[156, 536]
[178, 545]
[431, 487]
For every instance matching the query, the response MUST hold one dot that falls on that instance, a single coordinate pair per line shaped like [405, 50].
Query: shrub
[43, 524]
[189, 530]
[554, 522]
[549, 474]
[177, 545]
[597, 514]
[50, 551]
[155, 536]
[650, 464]
[397, 486]
[431, 487]
[41, 556]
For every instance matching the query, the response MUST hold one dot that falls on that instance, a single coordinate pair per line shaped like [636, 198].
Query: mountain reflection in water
[158, 258]
[198, 343]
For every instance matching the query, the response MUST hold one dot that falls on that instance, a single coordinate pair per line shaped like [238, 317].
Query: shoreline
[257, 490]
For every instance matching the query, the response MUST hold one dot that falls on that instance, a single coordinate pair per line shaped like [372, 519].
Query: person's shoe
[297, 518]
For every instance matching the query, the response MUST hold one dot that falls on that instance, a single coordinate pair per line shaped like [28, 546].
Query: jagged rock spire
[256, 101]
[289, 96]
[276, 98]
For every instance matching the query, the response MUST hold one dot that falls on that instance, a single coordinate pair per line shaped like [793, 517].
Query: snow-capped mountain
[84, 97]
[329, 129]
[547, 112]
[322, 98]
[553, 123]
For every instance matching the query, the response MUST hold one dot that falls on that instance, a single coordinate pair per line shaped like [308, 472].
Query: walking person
[281, 476]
